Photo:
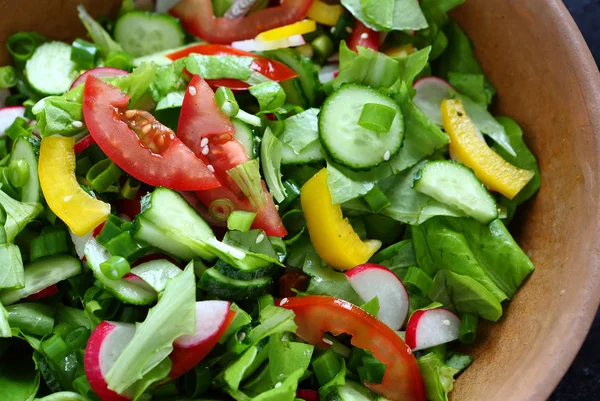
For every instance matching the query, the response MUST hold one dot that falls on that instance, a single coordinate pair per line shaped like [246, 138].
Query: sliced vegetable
[297, 28]
[316, 315]
[431, 327]
[50, 69]
[137, 31]
[495, 172]
[332, 236]
[62, 192]
[139, 144]
[362, 36]
[326, 14]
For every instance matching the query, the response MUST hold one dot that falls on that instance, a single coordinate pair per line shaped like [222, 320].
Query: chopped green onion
[83, 165]
[18, 172]
[111, 228]
[119, 59]
[248, 118]
[220, 209]
[196, 382]
[240, 220]
[8, 77]
[468, 328]
[32, 318]
[103, 174]
[377, 117]
[326, 366]
[371, 370]
[3, 148]
[323, 47]
[372, 306]
[20, 127]
[51, 241]
[84, 54]
[82, 385]
[125, 246]
[115, 267]
[62, 329]
[77, 338]
[22, 45]
[131, 188]
[28, 104]
[377, 199]
[226, 101]
[416, 280]
[55, 348]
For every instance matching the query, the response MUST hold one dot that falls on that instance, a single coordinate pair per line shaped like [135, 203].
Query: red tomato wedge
[363, 36]
[198, 17]
[316, 315]
[274, 70]
[209, 134]
[139, 144]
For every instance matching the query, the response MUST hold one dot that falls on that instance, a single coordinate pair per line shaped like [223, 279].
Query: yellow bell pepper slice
[400, 51]
[81, 212]
[468, 147]
[297, 28]
[326, 14]
[331, 234]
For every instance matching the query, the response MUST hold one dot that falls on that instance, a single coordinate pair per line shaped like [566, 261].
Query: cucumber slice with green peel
[127, 291]
[224, 287]
[294, 93]
[141, 33]
[23, 149]
[347, 142]
[144, 230]
[244, 134]
[456, 185]
[308, 76]
[50, 70]
[42, 274]
[246, 273]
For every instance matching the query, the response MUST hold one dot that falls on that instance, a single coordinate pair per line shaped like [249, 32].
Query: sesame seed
[364, 35]
[77, 124]
[204, 142]
[327, 341]
[277, 207]
[277, 384]
[260, 238]
[283, 302]
[241, 336]
[348, 29]
[211, 168]
[446, 322]
[192, 90]
[205, 150]
[67, 198]
[386, 155]
[332, 30]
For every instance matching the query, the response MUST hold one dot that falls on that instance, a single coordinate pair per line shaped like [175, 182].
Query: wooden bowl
[547, 80]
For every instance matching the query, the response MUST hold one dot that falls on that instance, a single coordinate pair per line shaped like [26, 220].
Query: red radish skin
[372, 280]
[103, 348]
[45, 293]
[428, 328]
[8, 115]
[308, 395]
[100, 72]
[188, 351]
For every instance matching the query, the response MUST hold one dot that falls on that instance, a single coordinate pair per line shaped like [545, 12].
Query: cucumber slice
[245, 272]
[156, 273]
[347, 142]
[23, 149]
[125, 290]
[42, 274]
[141, 33]
[308, 76]
[457, 186]
[350, 391]
[245, 135]
[169, 223]
[50, 70]
[221, 286]
[294, 93]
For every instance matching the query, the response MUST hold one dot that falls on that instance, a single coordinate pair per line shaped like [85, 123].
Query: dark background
[582, 381]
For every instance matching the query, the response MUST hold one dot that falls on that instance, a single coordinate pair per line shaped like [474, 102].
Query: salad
[217, 200]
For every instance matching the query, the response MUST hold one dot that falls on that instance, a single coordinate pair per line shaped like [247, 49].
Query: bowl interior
[547, 81]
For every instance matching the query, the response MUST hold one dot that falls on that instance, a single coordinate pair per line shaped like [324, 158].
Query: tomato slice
[139, 144]
[363, 36]
[274, 70]
[316, 315]
[198, 18]
[209, 134]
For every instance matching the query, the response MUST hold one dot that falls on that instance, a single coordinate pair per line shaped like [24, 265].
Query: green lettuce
[100, 37]
[270, 95]
[173, 316]
[287, 357]
[270, 153]
[19, 379]
[247, 177]
[138, 86]
[326, 281]
[368, 67]
[397, 257]
[387, 15]
[18, 215]
[218, 67]
[55, 115]
[438, 377]
[168, 78]
[12, 273]
[4, 326]
[301, 130]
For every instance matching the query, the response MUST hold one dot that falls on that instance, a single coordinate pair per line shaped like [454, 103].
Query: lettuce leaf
[19, 379]
[55, 115]
[438, 377]
[99, 36]
[173, 316]
[301, 130]
[270, 95]
[4, 326]
[18, 214]
[387, 15]
[217, 67]
[270, 153]
[12, 273]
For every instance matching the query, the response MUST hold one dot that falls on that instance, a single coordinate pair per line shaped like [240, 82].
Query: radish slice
[431, 91]
[45, 293]
[100, 72]
[210, 316]
[307, 395]
[254, 45]
[8, 115]
[428, 328]
[328, 73]
[104, 346]
[371, 280]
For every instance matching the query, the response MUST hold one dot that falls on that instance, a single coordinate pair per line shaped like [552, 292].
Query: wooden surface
[548, 82]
